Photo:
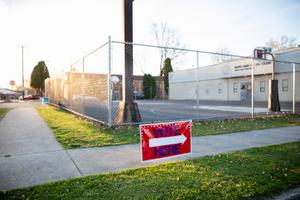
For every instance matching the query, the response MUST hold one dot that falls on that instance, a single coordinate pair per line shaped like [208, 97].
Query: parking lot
[168, 110]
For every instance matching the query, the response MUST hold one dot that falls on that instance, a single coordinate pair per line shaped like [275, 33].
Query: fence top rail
[204, 52]
[90, 53]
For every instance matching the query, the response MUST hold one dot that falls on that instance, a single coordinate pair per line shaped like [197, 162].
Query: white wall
[209, 89]
[225, 75]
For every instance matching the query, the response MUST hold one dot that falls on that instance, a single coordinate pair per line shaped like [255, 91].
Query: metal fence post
[252, 88]
[197, 84]
[82, 88]
[109, 93]
[294, 87]
[83, 63]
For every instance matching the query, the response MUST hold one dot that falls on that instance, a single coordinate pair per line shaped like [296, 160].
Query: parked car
[30, 97]
[138, 95]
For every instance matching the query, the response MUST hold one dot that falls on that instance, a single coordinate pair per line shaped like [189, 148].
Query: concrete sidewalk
[29, 152]
[30, 155]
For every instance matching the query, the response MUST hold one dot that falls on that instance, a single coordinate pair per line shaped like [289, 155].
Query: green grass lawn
[3, 112]
[73, 132]
[249, 174]
[247, 124]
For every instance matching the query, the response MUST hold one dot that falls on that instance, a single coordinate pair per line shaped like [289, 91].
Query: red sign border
[158, 159]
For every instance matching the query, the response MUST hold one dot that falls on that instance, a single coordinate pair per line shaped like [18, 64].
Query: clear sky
[61, 31]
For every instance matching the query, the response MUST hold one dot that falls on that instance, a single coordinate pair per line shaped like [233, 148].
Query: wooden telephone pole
[128, 110]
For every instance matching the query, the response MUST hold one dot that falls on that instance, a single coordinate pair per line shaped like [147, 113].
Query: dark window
[262, 86]
[285, 85]
[235, 87]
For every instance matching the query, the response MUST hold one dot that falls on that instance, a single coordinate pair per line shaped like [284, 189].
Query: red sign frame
[163, 140]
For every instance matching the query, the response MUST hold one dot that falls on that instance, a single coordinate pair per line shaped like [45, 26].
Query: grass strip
[73, 132]
[3, 112]
[247, 124]
[249, 174]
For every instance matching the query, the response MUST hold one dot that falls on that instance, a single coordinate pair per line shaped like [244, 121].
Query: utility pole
[22, 48]
[128, 110]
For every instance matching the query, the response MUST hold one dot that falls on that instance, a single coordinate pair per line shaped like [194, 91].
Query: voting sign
[165, 139]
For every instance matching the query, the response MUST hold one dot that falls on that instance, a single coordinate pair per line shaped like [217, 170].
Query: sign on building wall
[165, 139]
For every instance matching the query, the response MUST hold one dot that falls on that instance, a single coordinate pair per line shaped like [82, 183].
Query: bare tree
[221, 58]
[283, 42]
[168, 37]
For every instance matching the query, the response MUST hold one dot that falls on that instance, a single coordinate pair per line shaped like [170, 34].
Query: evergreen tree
[38, 75]
[149, 86]
[166, 69]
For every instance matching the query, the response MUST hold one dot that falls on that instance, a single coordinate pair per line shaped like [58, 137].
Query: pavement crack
[80, 172]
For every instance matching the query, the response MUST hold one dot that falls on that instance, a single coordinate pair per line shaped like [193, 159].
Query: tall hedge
[38, 75]
[166, 69]
[149, 86]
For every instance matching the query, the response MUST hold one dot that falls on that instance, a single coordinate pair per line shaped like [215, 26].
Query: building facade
[231, 80]
[138, 87]
[75, 87]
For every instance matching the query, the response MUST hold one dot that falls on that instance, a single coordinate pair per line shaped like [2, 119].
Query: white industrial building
[224, 81]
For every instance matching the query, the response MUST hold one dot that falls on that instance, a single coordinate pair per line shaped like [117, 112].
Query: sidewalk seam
[80, 172]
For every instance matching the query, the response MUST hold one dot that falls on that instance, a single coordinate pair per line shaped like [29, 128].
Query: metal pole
[23, 91]
[83, 65]
[82, 75]
[109, 83]
[82, 87]
[294, 87]
[252, 88]
[273, 103]
[197, 83]
[273, 65]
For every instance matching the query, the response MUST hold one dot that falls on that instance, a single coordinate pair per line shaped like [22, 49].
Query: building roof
[6, 91]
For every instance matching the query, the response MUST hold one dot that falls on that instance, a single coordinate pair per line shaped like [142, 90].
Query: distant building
[7, 94]
[231, 80]
[138, 87]
[76, 88]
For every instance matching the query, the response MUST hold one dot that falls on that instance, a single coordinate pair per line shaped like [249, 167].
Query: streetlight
[273, 101]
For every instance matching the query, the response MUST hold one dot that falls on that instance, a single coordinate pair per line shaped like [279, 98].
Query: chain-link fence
[209, 85]
[83, 88]
[201, 85]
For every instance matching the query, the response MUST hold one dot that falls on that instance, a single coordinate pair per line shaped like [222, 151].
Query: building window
[262, 86]
[285, 85]
[235, 87]
[207, 91]
[220, 88]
